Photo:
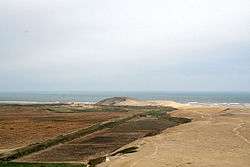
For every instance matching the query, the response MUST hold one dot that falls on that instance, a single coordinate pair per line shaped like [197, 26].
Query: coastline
[154, 102]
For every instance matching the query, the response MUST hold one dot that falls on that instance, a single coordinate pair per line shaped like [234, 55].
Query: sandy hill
[127, 101]
[116, 101]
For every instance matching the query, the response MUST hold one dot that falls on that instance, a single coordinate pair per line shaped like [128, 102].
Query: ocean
[94, 96]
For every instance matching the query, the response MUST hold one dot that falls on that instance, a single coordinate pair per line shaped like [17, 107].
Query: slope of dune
[127, 101]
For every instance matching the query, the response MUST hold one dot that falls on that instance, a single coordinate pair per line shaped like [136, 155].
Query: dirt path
[237, 132]
[215, 137]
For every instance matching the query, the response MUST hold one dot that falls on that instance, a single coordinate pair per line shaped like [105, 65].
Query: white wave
[219, 104]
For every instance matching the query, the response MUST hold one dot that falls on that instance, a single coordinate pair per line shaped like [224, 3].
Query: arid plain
[125, 132]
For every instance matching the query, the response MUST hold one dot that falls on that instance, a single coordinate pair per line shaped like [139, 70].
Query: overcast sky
[191, 45]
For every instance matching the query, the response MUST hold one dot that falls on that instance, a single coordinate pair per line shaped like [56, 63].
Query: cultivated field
[104, 142]
[21, 125]
[75, 133]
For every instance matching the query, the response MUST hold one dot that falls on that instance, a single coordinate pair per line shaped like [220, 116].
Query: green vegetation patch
[158, 112]
[105, 108]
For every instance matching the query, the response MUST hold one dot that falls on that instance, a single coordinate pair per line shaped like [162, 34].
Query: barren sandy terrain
[216, 137]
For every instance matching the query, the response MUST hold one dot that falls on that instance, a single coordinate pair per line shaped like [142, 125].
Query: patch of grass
[105, 108]
[156, 112]
[22, 164]
[101, 109]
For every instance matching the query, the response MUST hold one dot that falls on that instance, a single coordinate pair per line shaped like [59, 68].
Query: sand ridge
[127, 101]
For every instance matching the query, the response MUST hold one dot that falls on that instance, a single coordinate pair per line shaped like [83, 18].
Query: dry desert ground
[216, 137]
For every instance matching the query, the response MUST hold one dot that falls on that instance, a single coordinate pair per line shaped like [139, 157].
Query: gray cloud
[124, 45]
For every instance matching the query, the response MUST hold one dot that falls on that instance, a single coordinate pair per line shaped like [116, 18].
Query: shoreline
[188, 104]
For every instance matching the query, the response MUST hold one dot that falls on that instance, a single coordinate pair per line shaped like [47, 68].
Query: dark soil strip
[63, 138]
[126, 151]
[94, 162]
[153, 127]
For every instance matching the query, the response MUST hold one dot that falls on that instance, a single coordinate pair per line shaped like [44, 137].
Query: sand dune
[126, 101]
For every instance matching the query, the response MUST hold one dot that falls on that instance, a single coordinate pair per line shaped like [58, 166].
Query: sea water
[94, 96]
